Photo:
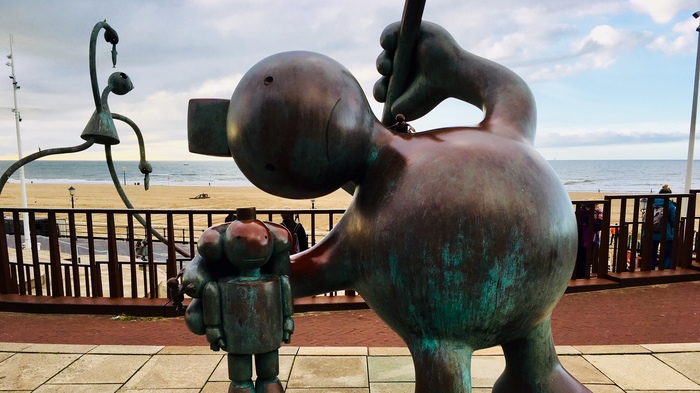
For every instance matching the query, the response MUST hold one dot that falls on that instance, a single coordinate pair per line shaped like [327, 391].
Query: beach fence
[86, 260]
[622, 251]
[88, 257]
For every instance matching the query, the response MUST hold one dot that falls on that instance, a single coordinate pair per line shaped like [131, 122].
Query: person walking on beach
[658, 235]
[301, 243]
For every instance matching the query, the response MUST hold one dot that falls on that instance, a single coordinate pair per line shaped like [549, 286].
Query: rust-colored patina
[459, 238]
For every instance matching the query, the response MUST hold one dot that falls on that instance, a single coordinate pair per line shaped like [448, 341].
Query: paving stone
[610, 349]
[682, 347]
[486, 370]
[332, 351]
[93, 369]
[288, 350]
[13, 347]
[59, 348]
[95, 388]
[27, 371]
[169, 390]
[391, 369]
[221, 371]
[329, 390]
[566, 350]
[5, 355]
[687, 363]
[604, 388]
[637, 372]
[187, 350]
[583, 371]
[127, 349]
[388, 351]
[215, 387]
[174, 372]
[396, 387]
[493, 351]
[329, 372]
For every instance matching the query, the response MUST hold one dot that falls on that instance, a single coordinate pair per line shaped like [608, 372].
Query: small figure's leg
[267, 367]
[532, 366]
[240, 372]
[441, 366]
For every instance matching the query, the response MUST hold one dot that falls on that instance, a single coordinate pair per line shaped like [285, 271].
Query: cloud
[681, 42]
[662, 11]
[606, 137]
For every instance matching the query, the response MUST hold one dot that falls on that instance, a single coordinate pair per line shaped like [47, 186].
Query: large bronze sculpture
[459, 238]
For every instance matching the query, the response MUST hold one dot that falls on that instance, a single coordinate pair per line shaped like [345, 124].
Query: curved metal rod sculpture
[100, 128]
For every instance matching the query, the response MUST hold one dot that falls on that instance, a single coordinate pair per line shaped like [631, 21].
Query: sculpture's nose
[206, 127]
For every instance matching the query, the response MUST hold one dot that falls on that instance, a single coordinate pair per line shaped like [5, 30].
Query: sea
[611, 176]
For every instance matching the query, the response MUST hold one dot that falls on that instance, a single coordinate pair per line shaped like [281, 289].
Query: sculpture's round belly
[476, 247]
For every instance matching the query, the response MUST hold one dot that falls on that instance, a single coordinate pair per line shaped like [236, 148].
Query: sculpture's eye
[269, 167]
[268, 81]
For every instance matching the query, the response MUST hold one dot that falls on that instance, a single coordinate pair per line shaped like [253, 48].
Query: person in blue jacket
[657, 236]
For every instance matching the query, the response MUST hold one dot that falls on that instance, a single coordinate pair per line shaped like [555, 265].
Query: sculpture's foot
[442, 366]
[241, 387]
[532, 366]
[268, 385]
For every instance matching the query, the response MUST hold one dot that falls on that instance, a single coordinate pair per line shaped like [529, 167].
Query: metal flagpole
[18, 119]
[693, 116]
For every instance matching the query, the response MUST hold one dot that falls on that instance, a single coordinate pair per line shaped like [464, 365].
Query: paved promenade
[642, 340]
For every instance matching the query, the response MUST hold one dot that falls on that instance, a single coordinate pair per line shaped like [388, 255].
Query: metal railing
[91, 252]
[627, 239]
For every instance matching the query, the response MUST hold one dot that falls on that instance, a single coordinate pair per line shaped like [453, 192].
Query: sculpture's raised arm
[441, 69]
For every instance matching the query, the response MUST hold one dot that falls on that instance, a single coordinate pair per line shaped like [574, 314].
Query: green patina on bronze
[459, 238]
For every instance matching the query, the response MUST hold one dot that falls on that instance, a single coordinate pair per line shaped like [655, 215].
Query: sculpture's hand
[288, 330]
[215, 337]
[432, 63]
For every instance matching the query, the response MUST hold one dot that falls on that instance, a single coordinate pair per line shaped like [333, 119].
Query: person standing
[658, 235]
[289, 221]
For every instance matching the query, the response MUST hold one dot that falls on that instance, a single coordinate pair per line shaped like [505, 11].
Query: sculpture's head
[248, 243]
[299, 125]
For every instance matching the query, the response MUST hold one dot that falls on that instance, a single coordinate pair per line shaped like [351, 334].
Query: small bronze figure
[239, 307]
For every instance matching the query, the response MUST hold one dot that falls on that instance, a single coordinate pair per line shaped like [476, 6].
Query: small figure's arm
[211, 301]
[287, 309]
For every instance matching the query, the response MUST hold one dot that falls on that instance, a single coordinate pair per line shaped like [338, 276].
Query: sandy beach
[175, 197]
[43, 195]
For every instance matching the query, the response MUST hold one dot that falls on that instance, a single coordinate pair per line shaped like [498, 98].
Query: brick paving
[641, 315]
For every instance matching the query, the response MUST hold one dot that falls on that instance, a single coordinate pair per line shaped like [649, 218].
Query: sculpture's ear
[206, 127]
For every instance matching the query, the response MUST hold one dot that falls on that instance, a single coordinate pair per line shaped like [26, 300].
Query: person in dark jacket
[587, 235]
[658, 236]
[301, 243]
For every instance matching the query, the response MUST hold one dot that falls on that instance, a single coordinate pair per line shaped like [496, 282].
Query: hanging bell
[100, 129]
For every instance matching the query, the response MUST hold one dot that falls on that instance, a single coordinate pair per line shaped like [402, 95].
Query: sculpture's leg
[532, 365]
[442, 366]
[240, 372]
[267, 368]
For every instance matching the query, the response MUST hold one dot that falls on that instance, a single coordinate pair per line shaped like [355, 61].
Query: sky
[613, 79]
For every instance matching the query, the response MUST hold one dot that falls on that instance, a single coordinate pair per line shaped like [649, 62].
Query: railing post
[647, 235]
[55, 257]
[689, 235]
[7, 285]
[94, 266]
[601, 267]
[116, 285]
[171, 267]
[74, 252]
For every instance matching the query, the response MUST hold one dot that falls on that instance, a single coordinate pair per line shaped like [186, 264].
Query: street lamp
[693, 115]
[71, 190]
[124, 169]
